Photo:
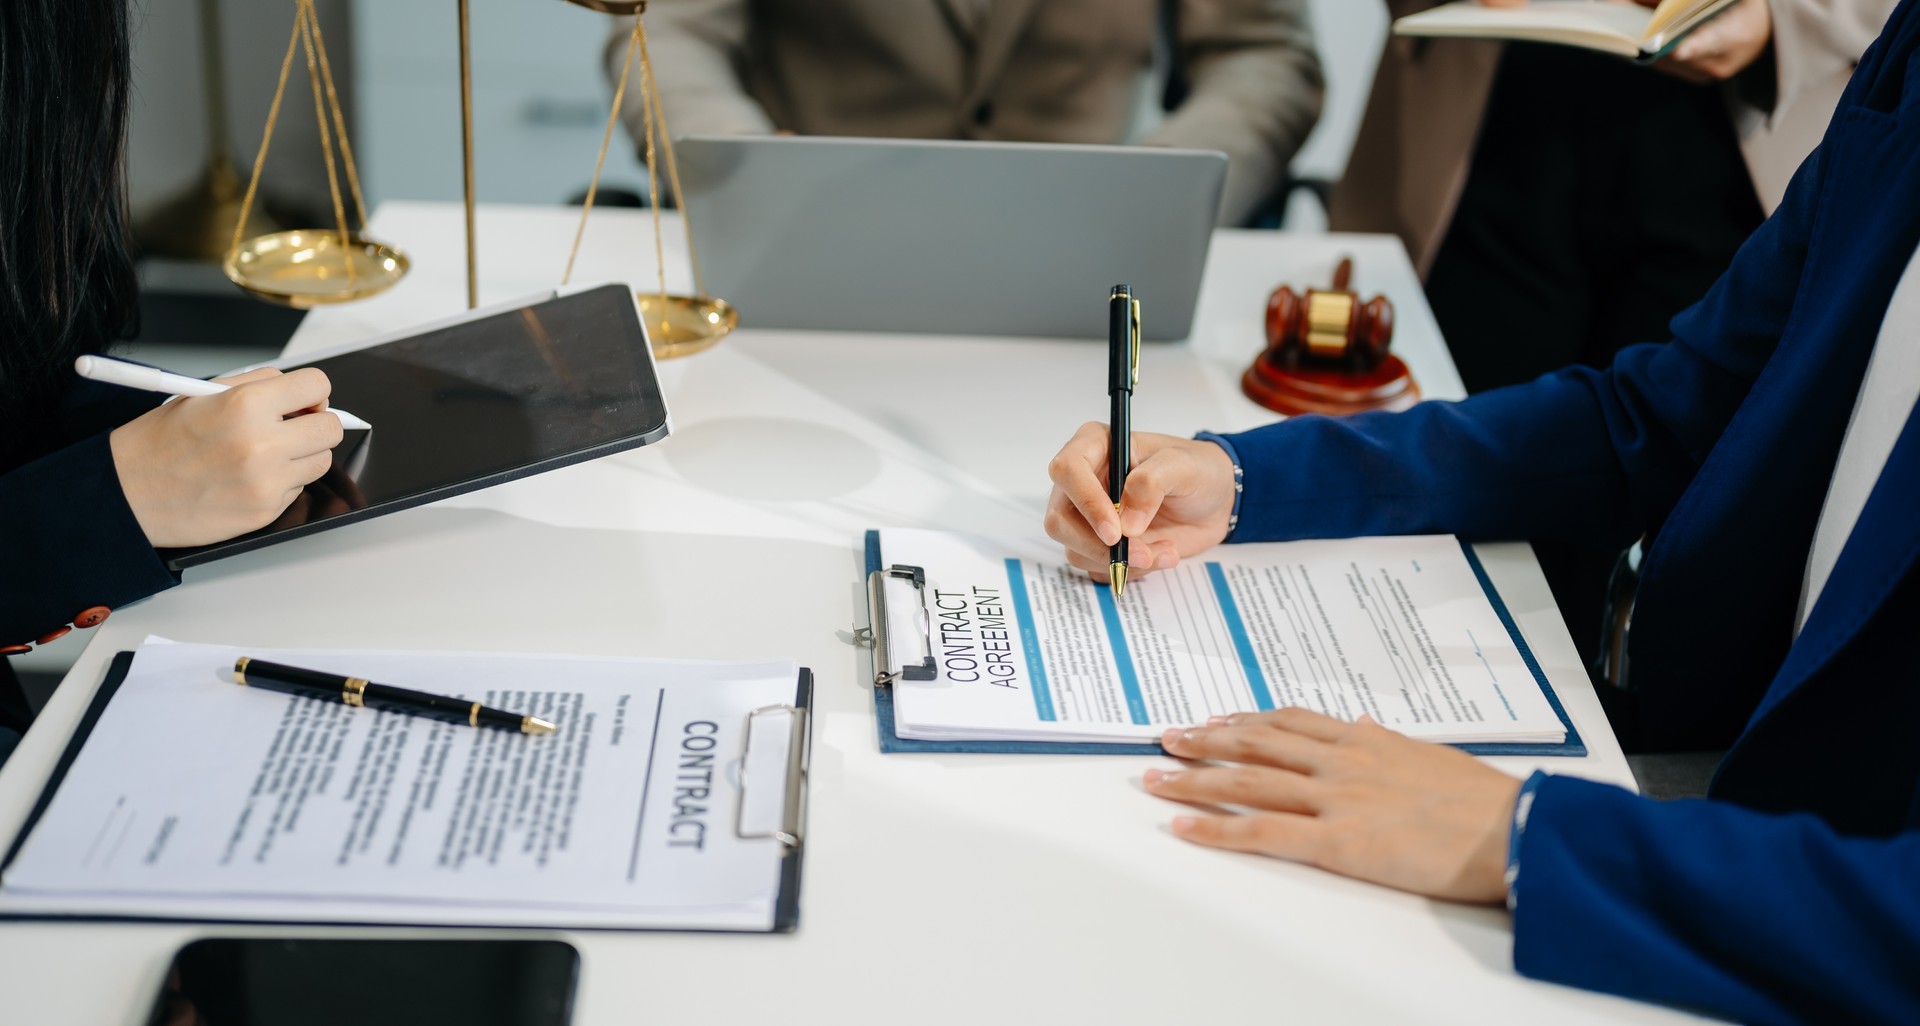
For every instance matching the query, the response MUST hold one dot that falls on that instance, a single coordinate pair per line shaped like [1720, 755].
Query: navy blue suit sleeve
[68, 541]
[1599, 456]
[89, 407]
[1708, 905]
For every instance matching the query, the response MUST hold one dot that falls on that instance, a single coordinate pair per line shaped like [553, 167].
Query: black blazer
[68, 541]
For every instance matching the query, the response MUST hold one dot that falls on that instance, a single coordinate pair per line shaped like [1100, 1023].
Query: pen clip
[1133, 339]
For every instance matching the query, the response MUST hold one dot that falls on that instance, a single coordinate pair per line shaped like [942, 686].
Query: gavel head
[1330, 329]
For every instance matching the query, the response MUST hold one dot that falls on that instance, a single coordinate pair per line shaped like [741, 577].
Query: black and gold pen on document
[357, 691]
[1123, 372]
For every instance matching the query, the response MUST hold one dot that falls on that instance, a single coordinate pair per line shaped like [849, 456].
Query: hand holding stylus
[206, 469]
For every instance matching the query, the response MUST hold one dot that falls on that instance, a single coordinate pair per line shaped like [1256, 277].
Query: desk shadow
[772, 458]
[531, 585]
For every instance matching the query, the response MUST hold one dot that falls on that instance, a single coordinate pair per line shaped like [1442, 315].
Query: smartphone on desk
[329, 981]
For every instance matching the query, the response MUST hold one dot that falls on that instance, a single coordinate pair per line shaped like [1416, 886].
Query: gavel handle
[1343, 274]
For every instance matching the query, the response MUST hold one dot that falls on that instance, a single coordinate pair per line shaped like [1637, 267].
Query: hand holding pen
[1123, 373]
[1147, 514]
[1178, 499]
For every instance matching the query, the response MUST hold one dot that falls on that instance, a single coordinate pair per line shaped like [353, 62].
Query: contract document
[1026, 648]
[657, 803]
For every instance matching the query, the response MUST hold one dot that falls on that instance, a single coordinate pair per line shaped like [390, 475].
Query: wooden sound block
[1295, 390]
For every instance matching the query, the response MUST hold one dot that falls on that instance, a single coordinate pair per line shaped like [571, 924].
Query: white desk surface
[938, 889]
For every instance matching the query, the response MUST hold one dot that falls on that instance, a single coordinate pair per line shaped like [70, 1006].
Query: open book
[988, 642]
[1610, 26]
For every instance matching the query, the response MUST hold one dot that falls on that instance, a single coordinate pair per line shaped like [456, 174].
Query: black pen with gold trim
[1123, 372]
[358, 691]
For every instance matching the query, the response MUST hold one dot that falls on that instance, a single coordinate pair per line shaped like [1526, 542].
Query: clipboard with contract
[671, 796]
[995, 645]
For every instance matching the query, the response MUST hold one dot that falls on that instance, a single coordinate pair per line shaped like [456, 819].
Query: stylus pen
[358, 691]
[132, 375]
[1123, 372]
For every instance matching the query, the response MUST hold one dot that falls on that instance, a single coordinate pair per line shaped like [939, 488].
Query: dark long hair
[67, 284]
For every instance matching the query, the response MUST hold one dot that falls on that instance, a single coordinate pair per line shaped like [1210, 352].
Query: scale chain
[266, 138]
[606, 138]
[307, 37]
[659, 110]
[307, 18]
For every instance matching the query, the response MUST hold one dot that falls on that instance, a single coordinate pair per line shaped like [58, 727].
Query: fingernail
[1219, 721]
[1178, 736]
[1132, 522]
[1156, 777]
[1184, 824]
[1109, 532]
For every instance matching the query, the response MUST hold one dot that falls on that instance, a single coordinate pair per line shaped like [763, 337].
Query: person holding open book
[1772, 452]
[1562, 203]
[93, 479]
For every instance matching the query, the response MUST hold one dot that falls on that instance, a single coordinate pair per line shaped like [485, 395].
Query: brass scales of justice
[308, 267]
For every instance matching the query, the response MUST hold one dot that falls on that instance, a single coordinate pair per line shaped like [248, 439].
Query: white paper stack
[194, 797]
[1400, 628]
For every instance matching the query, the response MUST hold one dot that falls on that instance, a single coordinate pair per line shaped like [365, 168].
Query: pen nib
[1118, 573]
[535, 725]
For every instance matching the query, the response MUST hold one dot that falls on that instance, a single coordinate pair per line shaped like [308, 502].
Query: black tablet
[464, 405]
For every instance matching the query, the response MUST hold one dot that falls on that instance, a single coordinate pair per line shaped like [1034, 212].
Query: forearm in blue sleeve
[69, 541]
[1757, 917]
[1600, 456]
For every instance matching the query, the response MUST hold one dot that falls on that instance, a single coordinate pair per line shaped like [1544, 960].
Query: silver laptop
[949, 237]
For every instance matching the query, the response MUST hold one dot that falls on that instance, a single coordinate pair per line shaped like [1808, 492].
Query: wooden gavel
[1328, 329]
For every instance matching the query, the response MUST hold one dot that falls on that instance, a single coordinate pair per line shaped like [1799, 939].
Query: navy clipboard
[786, 913]
[891, 741]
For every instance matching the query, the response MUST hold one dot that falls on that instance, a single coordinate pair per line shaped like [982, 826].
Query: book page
[1611, 26]
[1398, 628]
[1675, 18]
[192, 788]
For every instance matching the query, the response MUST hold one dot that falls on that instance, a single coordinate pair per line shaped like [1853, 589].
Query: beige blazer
[1032, 70]
[1410, 160]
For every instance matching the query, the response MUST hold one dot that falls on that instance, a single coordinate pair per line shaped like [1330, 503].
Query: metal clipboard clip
[777, 746]
[897, 607]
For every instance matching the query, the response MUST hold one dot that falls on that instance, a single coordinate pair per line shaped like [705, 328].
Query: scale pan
[685, 325]
[306, 267]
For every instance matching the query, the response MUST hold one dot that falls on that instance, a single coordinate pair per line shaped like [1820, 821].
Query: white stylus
[132, 375]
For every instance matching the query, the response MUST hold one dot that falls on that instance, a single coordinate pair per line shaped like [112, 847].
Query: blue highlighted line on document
[1030, 641]
[1122, 658]
[1237, 629]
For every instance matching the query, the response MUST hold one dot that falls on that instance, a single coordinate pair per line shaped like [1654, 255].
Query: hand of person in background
[208, 468]
[1716, 51]
[1178, 500]
[1353, 798]
[1724, 46]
